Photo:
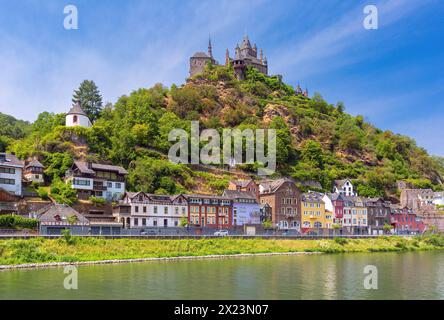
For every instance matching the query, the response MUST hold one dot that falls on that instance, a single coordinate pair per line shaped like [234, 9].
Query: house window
[136, 221]
[176, 223]
[110, 184]
[7, 170]
[155, 209]
[155, 222]
[165, 210]
[176, 210]
[7, 181]
[118, 185]
[74, 119]
[136, 209]
[144, 209]
[143, 222]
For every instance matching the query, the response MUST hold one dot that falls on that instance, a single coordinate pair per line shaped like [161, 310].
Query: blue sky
[394, 76]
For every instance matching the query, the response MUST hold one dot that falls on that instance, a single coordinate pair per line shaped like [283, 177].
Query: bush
[435, 240]
[66, 233]
[17, 222]
[43, 193]
[341, 241]
[97, 201]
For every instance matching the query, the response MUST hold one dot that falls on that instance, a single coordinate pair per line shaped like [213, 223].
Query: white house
[98, 180]
[11, 170]
[438, 199]
[77, 117]
[344, 187]
[141, 210]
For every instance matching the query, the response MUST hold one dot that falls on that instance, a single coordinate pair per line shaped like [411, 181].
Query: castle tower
[298, 89]
[306, 93]
[77, 117]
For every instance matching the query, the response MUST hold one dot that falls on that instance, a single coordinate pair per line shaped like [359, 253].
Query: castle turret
[306, 93]
[227, 58]
[238, 52]
[210, 48]
[298, 89]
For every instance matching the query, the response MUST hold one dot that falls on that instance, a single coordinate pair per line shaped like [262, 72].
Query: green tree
[312, 153]
[90, 99]
[183, 222]
[387, 228]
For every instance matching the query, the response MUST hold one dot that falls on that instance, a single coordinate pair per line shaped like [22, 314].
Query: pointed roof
[77, 109]
[246, 43]
[35, 163]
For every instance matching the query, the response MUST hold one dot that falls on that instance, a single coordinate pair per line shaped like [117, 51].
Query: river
[412, 275]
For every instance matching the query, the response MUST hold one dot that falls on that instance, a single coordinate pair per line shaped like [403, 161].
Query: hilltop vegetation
[316, 140]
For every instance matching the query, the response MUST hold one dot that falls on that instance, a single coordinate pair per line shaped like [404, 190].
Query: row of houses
[245, 202]
[279, 202]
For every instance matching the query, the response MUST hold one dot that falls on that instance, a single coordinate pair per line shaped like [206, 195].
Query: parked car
[221, 233]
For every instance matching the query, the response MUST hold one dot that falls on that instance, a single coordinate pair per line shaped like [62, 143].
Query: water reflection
[401, 276]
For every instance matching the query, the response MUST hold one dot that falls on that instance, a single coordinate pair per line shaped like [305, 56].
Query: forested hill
[317, 141]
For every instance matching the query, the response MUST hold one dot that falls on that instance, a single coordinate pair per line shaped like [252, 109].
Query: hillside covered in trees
[316, 140]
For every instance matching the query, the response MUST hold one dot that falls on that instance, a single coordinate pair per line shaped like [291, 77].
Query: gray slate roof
[59, 213]
[83, 167]
[35, 163]
[234, 194]
[200, 54]
[10, 160]
[273, 186]
[77, 109]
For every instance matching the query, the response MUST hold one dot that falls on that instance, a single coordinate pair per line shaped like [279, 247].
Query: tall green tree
[90, 99]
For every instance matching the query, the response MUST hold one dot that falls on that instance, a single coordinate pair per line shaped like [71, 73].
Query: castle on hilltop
[244, 55]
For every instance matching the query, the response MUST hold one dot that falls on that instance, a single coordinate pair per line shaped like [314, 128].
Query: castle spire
[261, 56]
[227, 58]
[210, 47]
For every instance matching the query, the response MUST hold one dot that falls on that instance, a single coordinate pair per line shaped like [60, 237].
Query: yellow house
[314, 217]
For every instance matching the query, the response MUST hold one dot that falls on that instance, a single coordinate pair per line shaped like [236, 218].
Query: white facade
[328, 203]
[34, 177]
[11, 170]
[345, 188]
[438, 199]
[74, 120]
[154, 211]
[114, 189]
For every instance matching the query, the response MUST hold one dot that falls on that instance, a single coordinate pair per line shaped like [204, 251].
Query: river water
[413, 275]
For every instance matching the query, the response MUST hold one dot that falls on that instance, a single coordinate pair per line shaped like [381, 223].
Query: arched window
[74, 119]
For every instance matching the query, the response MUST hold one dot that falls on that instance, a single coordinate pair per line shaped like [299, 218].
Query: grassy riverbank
[38, 250]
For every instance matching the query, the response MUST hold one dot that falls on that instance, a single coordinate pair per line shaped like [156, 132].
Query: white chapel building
[77, 117]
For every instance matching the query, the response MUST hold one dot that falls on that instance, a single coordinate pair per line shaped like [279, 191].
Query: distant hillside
[317, 141]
